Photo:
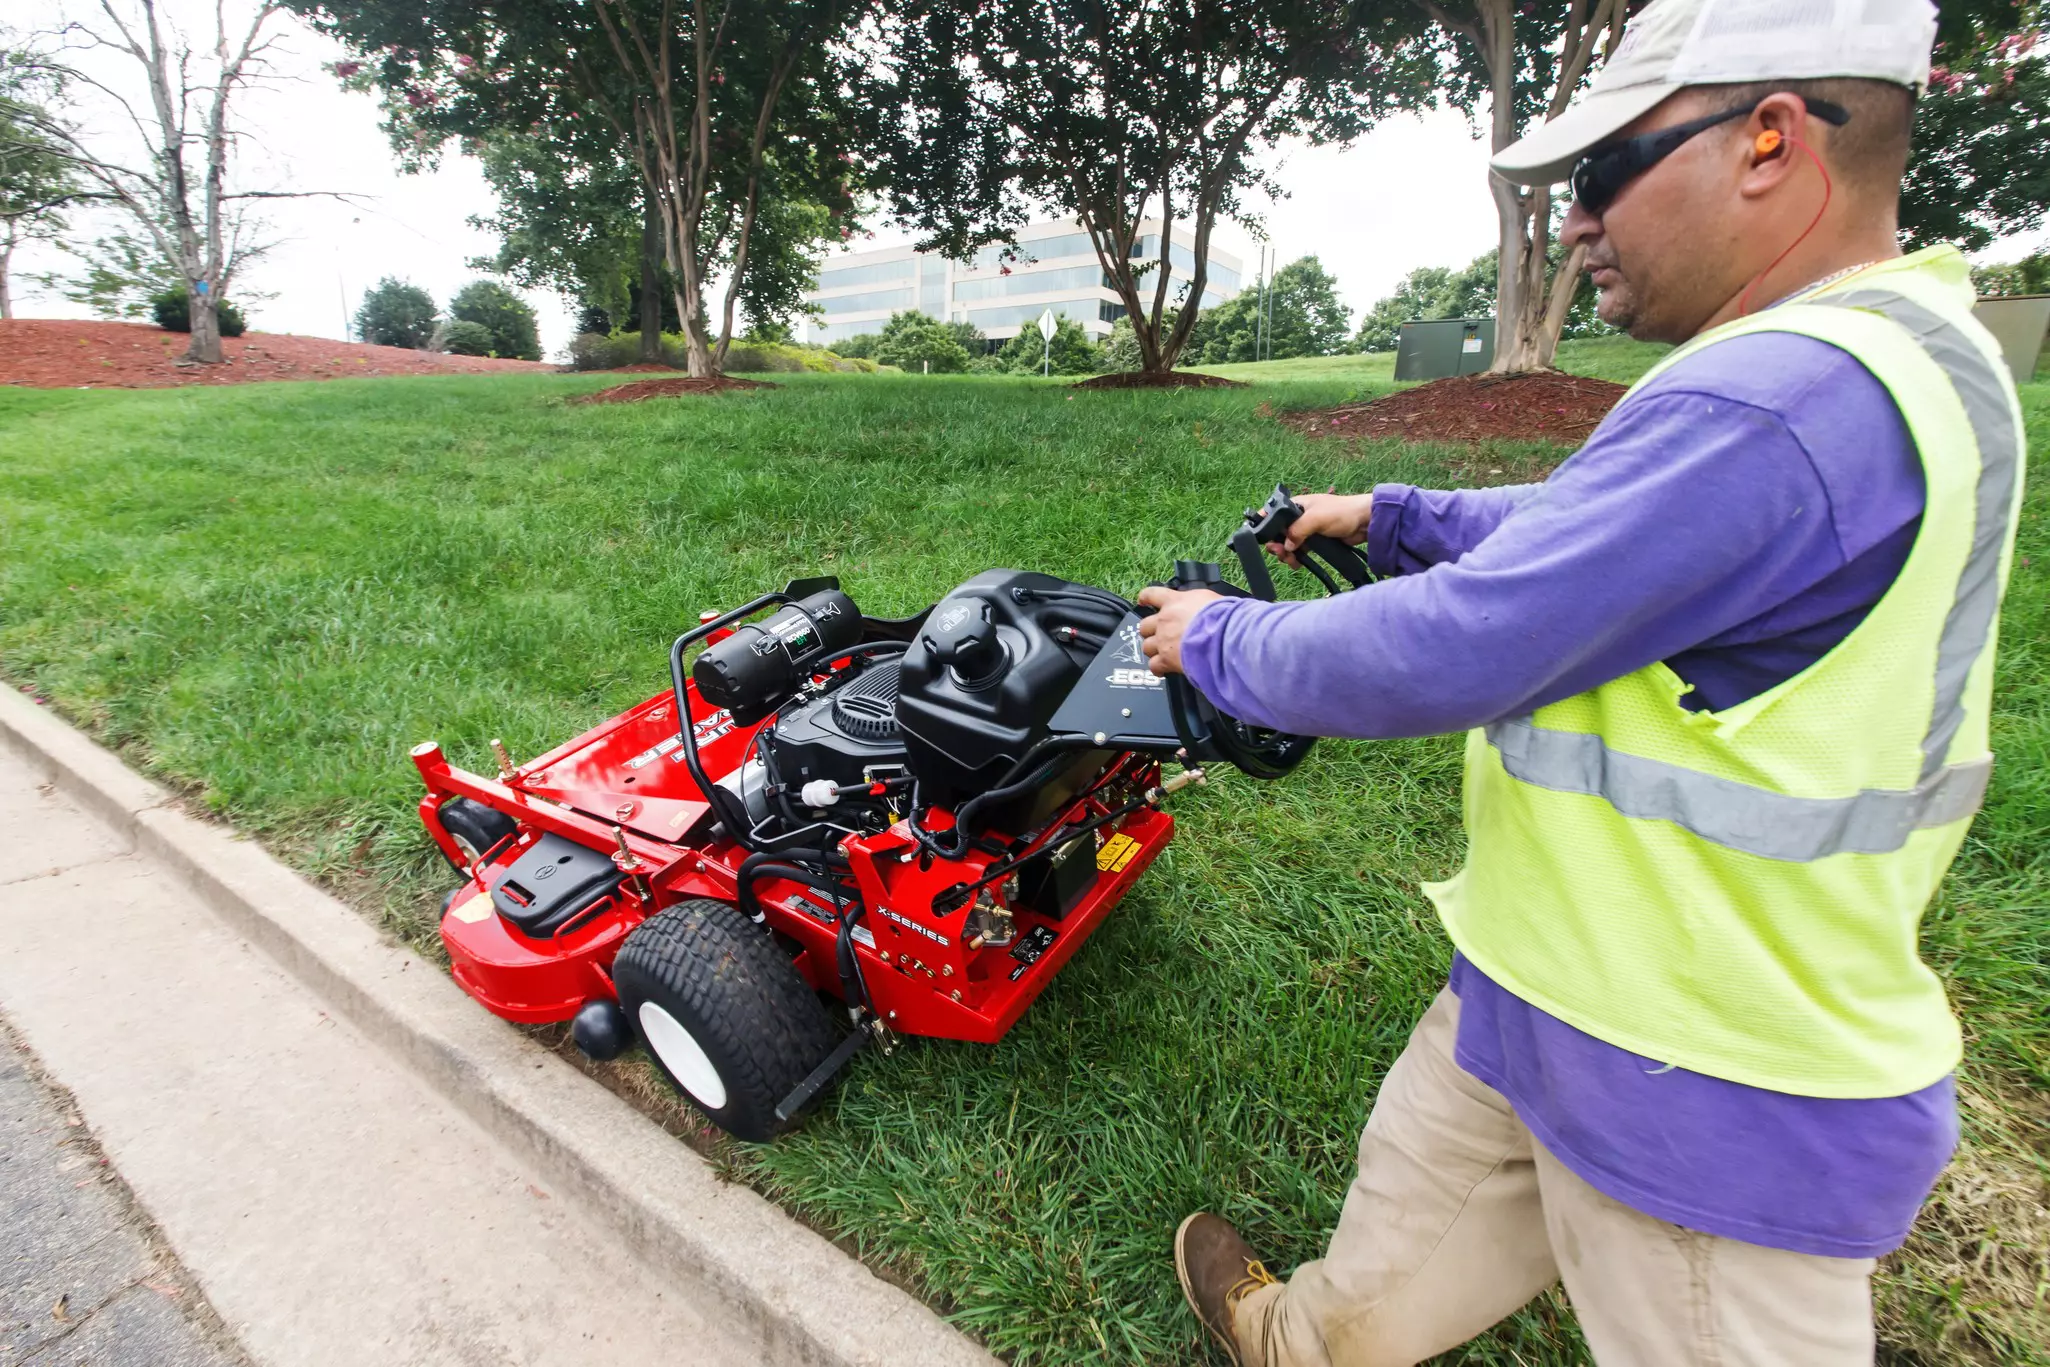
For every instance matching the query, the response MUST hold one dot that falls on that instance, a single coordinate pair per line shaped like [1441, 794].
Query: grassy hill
[265, 594]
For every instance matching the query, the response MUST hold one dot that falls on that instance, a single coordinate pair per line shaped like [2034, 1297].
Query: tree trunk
[206, 328]
[697, 352]
[1529, 313]
[1530, 310]
[6, 267]
[651, 284]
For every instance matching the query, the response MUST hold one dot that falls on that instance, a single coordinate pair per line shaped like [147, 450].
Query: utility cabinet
[2017, 323]
[1442, 347]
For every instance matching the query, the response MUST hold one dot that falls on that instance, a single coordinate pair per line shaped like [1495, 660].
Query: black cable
[762, 865]
[852, 985]
[998, 872]
[942, 848]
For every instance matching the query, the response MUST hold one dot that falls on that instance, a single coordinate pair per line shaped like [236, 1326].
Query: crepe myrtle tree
[1525, 59]
[1980, 168]
[1120, 111]
[1528, 58]
[730, 110]
[170, 168]
[573, 215]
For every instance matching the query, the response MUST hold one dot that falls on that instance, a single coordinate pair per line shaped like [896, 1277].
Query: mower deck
[621, 789]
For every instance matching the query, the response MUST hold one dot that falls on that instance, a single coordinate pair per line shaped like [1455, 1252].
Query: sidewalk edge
[802, 1297]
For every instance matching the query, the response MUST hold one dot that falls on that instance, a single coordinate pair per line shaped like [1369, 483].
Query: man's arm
[1413, 529]
[1687, 515]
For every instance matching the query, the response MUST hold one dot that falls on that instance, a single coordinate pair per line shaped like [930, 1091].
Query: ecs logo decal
[1134, 678]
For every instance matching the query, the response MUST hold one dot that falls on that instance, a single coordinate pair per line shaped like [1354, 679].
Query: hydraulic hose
[941, 847]
[762, 865]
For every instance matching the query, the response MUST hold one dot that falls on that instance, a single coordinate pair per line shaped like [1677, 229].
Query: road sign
[1046, 330]
[1046, 325]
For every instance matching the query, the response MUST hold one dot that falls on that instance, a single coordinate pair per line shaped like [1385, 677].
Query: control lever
[1269, 524]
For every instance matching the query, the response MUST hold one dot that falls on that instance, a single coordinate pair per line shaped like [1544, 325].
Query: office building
[1055, 268]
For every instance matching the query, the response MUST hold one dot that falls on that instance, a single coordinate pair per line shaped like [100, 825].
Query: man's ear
[1771, 143]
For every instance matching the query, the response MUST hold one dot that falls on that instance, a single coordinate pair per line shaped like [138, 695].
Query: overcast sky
[1412, 193]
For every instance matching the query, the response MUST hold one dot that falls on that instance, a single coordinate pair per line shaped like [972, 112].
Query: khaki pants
[1458, 1217]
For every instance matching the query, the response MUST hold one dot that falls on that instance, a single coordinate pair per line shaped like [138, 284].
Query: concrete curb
[804, 1300]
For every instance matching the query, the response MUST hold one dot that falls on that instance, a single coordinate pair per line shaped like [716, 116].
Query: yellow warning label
[1116, 853]
[475, 909]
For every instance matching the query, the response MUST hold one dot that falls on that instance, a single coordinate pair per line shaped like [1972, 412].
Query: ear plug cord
[1766, 145]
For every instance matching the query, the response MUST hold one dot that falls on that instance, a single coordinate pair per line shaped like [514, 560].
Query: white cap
[1674, 44]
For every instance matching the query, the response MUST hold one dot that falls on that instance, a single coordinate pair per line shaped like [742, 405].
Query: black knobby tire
[474, 827]
[740, 1003]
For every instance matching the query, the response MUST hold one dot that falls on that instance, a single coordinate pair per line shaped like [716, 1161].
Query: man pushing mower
[1727, 674]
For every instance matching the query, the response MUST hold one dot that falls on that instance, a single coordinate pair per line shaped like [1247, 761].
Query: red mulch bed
[1166, 379]
[1549, 405]
[54, 353]
[662, 389]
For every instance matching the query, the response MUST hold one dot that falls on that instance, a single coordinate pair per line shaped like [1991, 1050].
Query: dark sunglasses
[1601, 175]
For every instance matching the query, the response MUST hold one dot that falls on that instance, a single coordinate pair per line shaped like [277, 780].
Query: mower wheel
[474, 827]
[727, 1017]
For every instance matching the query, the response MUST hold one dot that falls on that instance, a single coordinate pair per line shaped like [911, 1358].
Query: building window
[932, 286]
[1108, 311]
[846, 277]
[826, 334]
[1010, 315]
[1183, 259]
[1030, 281]
[870, 302]
[1038, 249]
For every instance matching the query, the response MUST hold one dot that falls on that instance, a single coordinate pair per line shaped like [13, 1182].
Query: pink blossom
[347, 69]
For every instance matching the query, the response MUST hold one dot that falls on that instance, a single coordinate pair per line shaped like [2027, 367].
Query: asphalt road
[84, 1276]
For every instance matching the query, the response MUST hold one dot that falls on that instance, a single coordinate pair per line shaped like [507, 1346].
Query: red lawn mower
[921, 818]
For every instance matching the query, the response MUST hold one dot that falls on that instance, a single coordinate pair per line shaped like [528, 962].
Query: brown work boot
[1217, 1269]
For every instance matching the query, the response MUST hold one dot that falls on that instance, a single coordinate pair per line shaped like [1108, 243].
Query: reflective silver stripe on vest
[1970, 622]
[1758, 821]
[1776, 825]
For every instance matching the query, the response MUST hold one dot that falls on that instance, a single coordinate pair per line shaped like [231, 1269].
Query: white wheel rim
[683, 1057]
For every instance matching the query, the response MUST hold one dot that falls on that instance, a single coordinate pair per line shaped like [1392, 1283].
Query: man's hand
[1343, 517]
[1161, 633]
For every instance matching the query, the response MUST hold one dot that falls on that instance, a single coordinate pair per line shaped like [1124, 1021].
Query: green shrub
[394, 313]
[501, 313]
[1072, 351]
[595, 351]
[918, 345]
[465, 338]
[758, 358]
[862, 346]
[1121, 348]
[170, 308]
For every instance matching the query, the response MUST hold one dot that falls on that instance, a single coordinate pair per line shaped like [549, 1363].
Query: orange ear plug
[1768, 142]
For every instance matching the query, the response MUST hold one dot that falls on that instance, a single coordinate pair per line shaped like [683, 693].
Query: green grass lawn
[1606, 358]
[264, 594]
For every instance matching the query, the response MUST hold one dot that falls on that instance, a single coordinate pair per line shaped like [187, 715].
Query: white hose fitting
[819, 792]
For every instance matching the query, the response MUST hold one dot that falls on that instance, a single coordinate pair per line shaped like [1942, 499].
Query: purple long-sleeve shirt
[1735, 518]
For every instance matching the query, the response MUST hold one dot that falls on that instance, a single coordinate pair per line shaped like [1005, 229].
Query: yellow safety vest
[1739, 892]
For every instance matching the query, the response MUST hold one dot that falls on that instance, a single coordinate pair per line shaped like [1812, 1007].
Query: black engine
[951, 701]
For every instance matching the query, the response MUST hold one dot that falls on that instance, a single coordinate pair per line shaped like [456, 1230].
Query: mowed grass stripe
[266, 594]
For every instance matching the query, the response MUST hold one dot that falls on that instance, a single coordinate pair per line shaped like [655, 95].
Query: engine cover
[842, 735]
[990, 666]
